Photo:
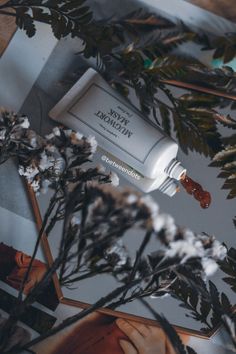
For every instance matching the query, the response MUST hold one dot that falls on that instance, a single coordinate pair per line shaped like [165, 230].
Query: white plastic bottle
[92, 107]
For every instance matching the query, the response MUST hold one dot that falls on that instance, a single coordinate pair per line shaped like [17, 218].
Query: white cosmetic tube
[92, 107]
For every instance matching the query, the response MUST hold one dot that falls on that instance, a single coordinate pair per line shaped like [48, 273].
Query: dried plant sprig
[16, 139]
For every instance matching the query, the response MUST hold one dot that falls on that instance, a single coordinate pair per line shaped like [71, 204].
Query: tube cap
[169, 187]
[175, 169]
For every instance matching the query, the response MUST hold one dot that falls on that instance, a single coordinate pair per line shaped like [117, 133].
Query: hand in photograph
[145, 339]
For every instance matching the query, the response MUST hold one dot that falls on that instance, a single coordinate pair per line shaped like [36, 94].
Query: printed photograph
[18, 237]
[7, 30]
[13, 268]
[103, 334]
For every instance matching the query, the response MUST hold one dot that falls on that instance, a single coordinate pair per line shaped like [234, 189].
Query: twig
[138, 257]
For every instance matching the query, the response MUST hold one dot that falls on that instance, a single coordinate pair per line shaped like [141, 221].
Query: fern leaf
[168, 67]
[226, 160]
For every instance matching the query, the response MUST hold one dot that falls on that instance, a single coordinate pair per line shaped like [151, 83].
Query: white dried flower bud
[2, 134]
[45, 162]
[78, 135]
[185, 249]
[25, 123]
[132, 198]
[92, 141]
[159, 222]
[101, 168]
[75, 221]
[29, 172]
[56, 131]
[219, 251]
[114, 179]
[35, 185]
[209, 266]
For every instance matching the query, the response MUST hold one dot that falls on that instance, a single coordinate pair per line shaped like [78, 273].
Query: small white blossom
[101, 168]
[45, 162]
[35, 185]
[185, 249]
[25, 123]
[2, 134]
[29, 172]
[165, 222]
[75, 221]
[188, 234]
[119, 250]
[209, 266]
[114, 179]
[132, 198]
[219, 251]
[159, 223]
[93, 143]
[78, 135]
[56, 131]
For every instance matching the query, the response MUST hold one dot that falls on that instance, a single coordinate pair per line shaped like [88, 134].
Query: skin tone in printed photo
[103, 334]
[143, 339]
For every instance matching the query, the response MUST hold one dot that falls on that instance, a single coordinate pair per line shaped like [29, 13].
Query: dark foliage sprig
[65, 17]
[226, 160]
[136, 51]
[228, 266]
[224, 46]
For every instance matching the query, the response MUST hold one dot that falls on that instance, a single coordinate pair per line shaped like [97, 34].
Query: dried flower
[75, 221]
[209, 266]
[185, 249]
[116, 254]
[29, 172]
[2, 133]
[25, 122]
[56, 131]
[132, 198]
[93, 143]
[114, 179]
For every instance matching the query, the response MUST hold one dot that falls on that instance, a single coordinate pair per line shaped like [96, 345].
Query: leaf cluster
[224, 46]
[223, 78]
[144, 63]
[207, 308]
[226, 161]
[65, 17]
[228, 266]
